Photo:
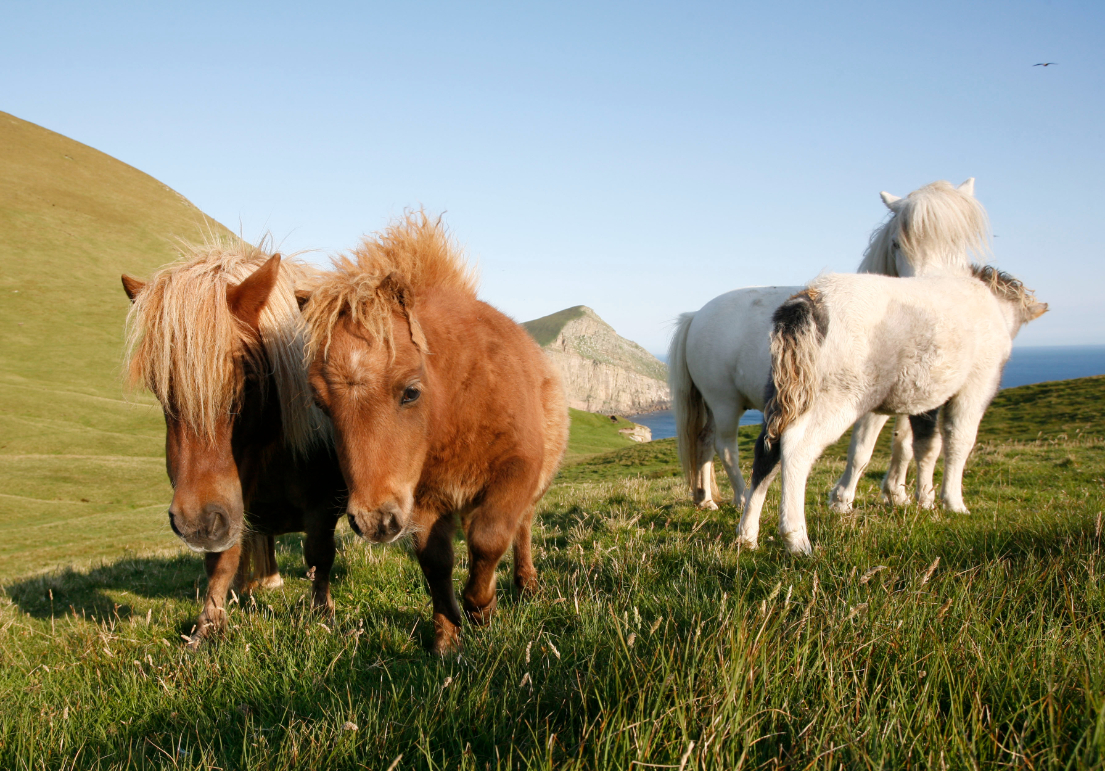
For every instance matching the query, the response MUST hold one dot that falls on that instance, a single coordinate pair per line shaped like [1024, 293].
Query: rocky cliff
[602, 372]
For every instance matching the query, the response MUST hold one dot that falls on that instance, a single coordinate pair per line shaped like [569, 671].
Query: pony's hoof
[840, 507]
[447, 639]
[896, 497]
[275, 581]
[799, 546]
[746, 543]
[960, 509]
[707, 506]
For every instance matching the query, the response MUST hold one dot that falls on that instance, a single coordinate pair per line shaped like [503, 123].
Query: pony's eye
[410, 394]
[895, 244]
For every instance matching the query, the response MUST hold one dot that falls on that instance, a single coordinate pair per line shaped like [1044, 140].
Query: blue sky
[637, 158]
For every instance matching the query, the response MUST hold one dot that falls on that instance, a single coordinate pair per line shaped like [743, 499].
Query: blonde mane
[937, 226]
[184, 344]
[1005, 286]
[383, 275]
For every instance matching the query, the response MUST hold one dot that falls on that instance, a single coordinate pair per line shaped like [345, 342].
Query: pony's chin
[212, 548]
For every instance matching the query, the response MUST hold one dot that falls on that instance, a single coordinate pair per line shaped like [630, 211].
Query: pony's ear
[1035, 310]
[248, 298]
[890, 200]
[132, 286]
[302, 296]
[968, 187]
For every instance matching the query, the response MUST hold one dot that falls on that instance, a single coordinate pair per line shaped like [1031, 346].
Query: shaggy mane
[413, 254]
[184, 344]
[1005, 286]
[936, 226]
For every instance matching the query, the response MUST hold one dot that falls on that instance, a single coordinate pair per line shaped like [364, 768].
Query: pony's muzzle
[382, 525]
[211, 531]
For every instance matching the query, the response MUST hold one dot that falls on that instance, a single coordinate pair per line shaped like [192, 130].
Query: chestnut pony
[443, 409]
[219, 340]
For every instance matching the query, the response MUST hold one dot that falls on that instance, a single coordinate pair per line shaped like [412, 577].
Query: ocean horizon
[1027, 365]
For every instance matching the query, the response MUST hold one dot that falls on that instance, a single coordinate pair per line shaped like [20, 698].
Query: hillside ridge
[602, 371]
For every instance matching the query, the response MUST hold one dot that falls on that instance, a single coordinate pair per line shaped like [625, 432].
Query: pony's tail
[798, 329]
[692, 416]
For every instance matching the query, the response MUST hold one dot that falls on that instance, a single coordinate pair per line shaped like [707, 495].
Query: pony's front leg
[792, 507]
[318, 553]
[865, 433]
[901, 453]
[765, 466]
[221, 568]
[961, 419]
[434, 549]
[926, 449]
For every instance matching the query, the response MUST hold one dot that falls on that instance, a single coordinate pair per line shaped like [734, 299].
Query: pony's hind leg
[705, 483]
[434, 548]
[901, 453]
[865, 433]
[765, 466]
[926, 449]
[268, 572]
[525, 574]
[960, 425]
[726, 425]
[318, 552]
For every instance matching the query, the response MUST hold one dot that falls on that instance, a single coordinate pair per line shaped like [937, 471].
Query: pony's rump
[799, 327]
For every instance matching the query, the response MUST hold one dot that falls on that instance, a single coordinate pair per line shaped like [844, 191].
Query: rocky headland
[602, 371]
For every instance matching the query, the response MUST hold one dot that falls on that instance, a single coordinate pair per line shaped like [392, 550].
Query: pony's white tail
[798, 329]
[692, 416]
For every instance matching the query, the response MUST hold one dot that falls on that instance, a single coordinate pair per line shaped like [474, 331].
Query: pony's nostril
[172, 524]
[218, 521]
[353, 525]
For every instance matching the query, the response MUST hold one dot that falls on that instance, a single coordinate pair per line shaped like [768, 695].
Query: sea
[1027, 365]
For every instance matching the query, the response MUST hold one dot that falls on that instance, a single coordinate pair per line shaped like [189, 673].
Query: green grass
[81, 475]
[592, 434]
[909, 639]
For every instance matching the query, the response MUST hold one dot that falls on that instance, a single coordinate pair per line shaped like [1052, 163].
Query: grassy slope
[909, 639]
[81, 474]
[545, 329]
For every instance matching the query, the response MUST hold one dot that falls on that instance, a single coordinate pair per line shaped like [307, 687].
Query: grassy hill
[81, 473]
[910, 639]
[545, 329]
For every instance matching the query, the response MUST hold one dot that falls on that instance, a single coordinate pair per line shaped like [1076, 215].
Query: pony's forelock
[382, 276]
[938, 227]
[184, 344]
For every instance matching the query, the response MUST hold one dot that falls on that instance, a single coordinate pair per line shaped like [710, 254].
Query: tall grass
[910, 639]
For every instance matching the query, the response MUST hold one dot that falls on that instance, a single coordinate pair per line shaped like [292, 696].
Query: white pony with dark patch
[851, 344]
[719, 361]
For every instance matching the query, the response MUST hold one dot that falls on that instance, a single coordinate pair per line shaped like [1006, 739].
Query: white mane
[937, 227]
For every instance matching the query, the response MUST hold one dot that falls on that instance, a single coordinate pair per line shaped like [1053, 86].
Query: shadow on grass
[178, 577]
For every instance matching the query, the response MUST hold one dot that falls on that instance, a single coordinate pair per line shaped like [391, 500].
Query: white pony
[719, 362]
[850, 344]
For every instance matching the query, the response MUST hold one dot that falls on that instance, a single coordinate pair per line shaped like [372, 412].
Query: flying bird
[1044, 64]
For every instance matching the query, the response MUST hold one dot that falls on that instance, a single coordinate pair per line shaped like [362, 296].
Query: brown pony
[219, 339]
[442, 408]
